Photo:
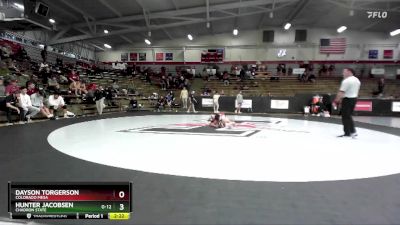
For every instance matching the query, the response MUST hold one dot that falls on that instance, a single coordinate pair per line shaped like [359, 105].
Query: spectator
[43, 53]
[75, 87]
[170, 99]
[160, 104]
[73, 76]
[242, 74]
[134, 104]
[110, 94]
[115, 86]
[59, 62]
[216, 97]
[91, 89]
[52, 84]
[25, 103]
[148, 77]
[8, 104]
[37, 100]
[57, 102]
[192, 102]
[82, 88]
[239, 102]
[2, 87]
[311, 78]
[184, 97]
[99, 96]
[225, 78]
[381, 87]
[205, 75]
[12, 87]
[44, 72]
[31, 88]
[163, 83]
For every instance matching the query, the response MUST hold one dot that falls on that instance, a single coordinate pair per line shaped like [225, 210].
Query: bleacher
[260, 86]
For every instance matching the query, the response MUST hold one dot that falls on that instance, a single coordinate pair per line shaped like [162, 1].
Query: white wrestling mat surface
[257, 149]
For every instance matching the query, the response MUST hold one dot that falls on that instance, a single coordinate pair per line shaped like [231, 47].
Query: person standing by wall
[216, 101]
[43, 53]
[99, 96]
[347, 96]
[184, 97]
[239, 102]
[192, 102]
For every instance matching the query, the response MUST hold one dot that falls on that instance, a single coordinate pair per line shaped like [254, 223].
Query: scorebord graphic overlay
[71, 200]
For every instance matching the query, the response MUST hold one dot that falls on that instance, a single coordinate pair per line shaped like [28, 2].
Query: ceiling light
[147, 41]
[341, 29]
[52, 20]
[395, 32]
[107, 45]
[235, 31]
[287, 26]
[106, 31]
[190, 37]
[19, 6]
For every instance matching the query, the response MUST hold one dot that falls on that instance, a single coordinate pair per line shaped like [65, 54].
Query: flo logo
[377, 14]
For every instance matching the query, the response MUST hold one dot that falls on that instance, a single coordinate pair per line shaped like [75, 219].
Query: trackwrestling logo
[241, 129]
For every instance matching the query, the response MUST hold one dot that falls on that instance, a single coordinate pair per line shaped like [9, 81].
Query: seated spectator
[381, 87]
[160, 104]
[73, 76]
[25, 103]
[37, 100]
[31, 89]
[317, 107]
[91, 89]
[9, 104]
[12, 87]
[59, 62]
[303, 77]
[110, 94]
[75, 87]
[2, 87]
[82, 89]
[133, 103]
[99, 97]
[12, 66]
[170, 81]
[22, 54]
[311, 78]
[225, 78]
[170, 98]
[52, 84]
[115, 86]
[44, 72]
[57, 102]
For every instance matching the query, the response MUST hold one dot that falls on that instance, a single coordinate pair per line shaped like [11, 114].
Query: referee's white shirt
[350, 86]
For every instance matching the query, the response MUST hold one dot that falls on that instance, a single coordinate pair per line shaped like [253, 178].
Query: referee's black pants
[348, 105]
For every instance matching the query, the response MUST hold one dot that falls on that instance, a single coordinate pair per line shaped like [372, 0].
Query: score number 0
[121, 194]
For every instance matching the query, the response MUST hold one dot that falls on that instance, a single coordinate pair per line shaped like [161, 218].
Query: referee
[347, 96]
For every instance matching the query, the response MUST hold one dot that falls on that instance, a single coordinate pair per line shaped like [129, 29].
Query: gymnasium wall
[248, 46]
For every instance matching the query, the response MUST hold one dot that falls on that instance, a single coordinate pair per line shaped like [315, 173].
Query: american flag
[333, 45]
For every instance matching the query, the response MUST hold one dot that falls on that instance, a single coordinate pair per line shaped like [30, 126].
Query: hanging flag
[333, 45]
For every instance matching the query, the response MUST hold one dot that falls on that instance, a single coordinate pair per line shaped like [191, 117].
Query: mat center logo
[241, 129]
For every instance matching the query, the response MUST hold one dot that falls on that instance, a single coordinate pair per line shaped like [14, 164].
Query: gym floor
[268, 169]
